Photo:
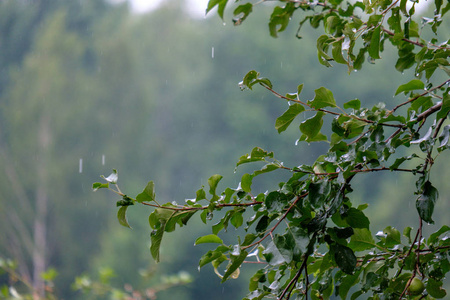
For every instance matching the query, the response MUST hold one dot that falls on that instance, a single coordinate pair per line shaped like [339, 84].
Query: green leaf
[299, 89]
[98, 185]
[279, 19]
[200, 194]
[346, 283]
[213, 181]
[181, 218]
[241, 12]
[344, 258]
[249, 238]
[337, 53]
[444, 138]
[283, 122]
[433, 239]
[210, 238]
[262, 224]
[374, 47]
[249, 77]
[246, 183]
[311, 127]
[414, 84]
[156, 238]
[400, 160]
[285, 244]
[407, 233]
[221, 6]
[356, 218]
[273, 255]
[318, 192]
[236, 262]
[148, 194]
[275, 201]
[121, 216]
[392, 236]
[405, 62]
[237, 219]
[425, 202]
[323, 98]
[445, 108]
[257, 154]
[434, 288]
[361, 240]
[213, 255]
[266, 169]
[355, 104]
[322, 48]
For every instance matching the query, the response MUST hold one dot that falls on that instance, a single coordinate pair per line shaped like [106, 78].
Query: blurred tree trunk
[40, 219]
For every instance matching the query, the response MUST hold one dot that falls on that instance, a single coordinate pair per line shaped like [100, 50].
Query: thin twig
[278, 223]
[421, 95]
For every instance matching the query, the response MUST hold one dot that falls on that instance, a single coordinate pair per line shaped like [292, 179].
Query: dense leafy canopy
[308, 234]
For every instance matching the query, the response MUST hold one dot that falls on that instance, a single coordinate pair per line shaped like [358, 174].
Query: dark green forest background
[86, 87]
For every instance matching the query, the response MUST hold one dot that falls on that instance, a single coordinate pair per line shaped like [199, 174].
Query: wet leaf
[148, 194]
[433, 239]
[425, 202]
[257, 154]
[323, 98]
[374, 47]
[213, 181]
[434, 288]
[210, 238]
[311, 127]
[220, 4]
[246, 183]
[241, 12]
[156, 238]
[318, 192]
[355, 104]
[392, 237]
[283, 122]
[98, 185]
[361, 240]
[276, 201]
[272, 255]
[414, 84]
[121, 216]
[356, 218]
[445, 108]
[236, 262]
[344, 258]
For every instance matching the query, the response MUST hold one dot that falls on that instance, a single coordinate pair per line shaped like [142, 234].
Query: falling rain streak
[80, 166]
[212, 52]
[103, 159]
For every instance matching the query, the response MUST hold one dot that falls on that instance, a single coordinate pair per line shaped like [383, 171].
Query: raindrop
[103, 159]
[212, 52]
[224, 23]
[236, 250]
[80, 166]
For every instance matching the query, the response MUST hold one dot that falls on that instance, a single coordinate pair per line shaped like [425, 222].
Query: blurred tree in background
[86, 86]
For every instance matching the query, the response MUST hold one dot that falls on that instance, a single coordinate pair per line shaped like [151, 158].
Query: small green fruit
[416, 287]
